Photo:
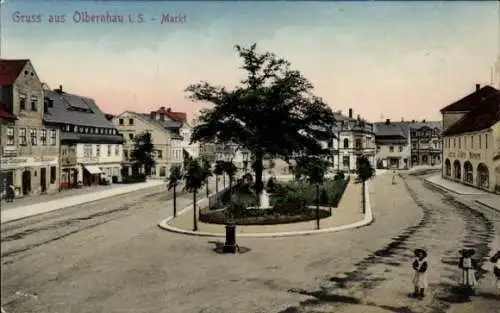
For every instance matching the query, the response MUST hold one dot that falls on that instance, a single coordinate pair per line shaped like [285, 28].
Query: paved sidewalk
[454, 187]
[348, 211]
[65, 202]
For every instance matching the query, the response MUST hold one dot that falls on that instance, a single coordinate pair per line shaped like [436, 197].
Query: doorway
[26, 178]
[43, 180]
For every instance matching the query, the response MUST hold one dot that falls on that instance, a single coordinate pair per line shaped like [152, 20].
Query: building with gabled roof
[29, 158]
[471, 144]
[91, 148]
[171, 137]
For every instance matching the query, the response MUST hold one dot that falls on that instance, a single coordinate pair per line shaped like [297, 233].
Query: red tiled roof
[176, 116]
[468, 102]
[10, 70]
[484, 115]
[5, 114]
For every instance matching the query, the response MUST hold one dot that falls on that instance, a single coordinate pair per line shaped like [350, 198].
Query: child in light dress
[420, 267]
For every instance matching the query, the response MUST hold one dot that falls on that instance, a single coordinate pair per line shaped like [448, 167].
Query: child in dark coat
[495, 259]
[468, 266]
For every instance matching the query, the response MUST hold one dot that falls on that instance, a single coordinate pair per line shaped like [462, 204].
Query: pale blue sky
[396, 59]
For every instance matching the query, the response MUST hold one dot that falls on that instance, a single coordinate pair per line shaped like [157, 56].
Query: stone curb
[368, 219]
[487, 205]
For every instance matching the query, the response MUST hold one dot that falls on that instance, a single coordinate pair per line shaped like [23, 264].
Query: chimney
[402, 119]
[169, 110]
[413, 121]
[478, 86]
[350, 113]
[153, 115]
[162, 116]
[60, 90]
[387, 121]
[423, 121]
[162, 109]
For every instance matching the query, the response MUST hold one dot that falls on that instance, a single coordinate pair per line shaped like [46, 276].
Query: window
[131, 136]
[486, 141]
[391, 149]
[414, 145]
[52, 174]
[109, 150]
[479, 136]
[159, 154]
[117, 149]
[43, 137]
[34, 102]
[10, 136]
[97, 150]
[345, 161]
[400, 148]
[346, 143]
[53, 137]
[22, 137]
[454, 143]
[22, 102]
[358, 144]
[125, 154]
[472, 142]
[120, 121]
[459, 142]
[67, 128]
[131, 121]
[87, 151]
[378, 148]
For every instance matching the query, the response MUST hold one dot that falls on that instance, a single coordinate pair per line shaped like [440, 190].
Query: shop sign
[17, 162]
[459, 154]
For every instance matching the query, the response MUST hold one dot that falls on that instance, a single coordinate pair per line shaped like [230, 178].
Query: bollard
[230, 244]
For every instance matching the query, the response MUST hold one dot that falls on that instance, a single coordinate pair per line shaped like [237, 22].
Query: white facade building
[104, 159]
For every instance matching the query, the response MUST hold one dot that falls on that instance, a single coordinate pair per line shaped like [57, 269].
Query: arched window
[468, 173]
[458, 169]
[483, 176]
[447, 167]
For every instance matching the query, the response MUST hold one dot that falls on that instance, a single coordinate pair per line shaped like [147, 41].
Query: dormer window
[67, 128]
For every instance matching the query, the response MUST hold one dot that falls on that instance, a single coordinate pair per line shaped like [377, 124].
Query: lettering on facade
[451, 154]
[474, 156]
[459, 154]
[15, 162]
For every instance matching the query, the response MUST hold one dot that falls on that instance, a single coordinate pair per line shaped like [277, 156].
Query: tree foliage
[195, 176]
[175, 177]
[365, 170]
[271, 113]
[142, 153]
[312, 168]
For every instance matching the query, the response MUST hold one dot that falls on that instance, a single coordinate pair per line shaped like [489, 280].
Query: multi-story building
[240, 157]
[425, 142]
[355, 137]
[29, 159]
[131, 124]
[393, 145]
[91, 148]
[471, 136]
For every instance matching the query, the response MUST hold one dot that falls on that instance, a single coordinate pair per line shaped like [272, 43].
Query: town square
[217, 165]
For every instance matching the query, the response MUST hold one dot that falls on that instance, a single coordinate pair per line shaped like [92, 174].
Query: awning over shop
[93, 169]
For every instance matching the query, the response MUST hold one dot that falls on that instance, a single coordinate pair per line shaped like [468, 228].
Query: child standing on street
[420, 277]
[468, 266]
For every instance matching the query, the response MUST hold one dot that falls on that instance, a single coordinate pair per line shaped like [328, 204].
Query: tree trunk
[217, 191]
[363, 197]
[195, 220]
[175, 202]
[317, 206]
[230, 188]
[259, 170]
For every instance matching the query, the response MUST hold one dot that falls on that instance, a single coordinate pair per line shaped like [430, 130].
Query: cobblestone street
[110, 256]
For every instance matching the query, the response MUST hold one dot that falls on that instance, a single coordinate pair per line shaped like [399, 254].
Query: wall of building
[160, 138]
[30, 151]
[401, 152]
[475, 148]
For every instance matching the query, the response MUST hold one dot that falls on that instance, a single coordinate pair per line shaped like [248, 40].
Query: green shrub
[324, 199]
[271, 185]
[339, 176]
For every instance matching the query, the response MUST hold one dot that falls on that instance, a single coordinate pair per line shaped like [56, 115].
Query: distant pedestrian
[11, 193]
[468, 266]
[420, 267]
[495, 259]
[394, 179]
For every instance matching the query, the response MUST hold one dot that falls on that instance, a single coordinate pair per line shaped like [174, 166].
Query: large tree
[142, 154]
[271, 113]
